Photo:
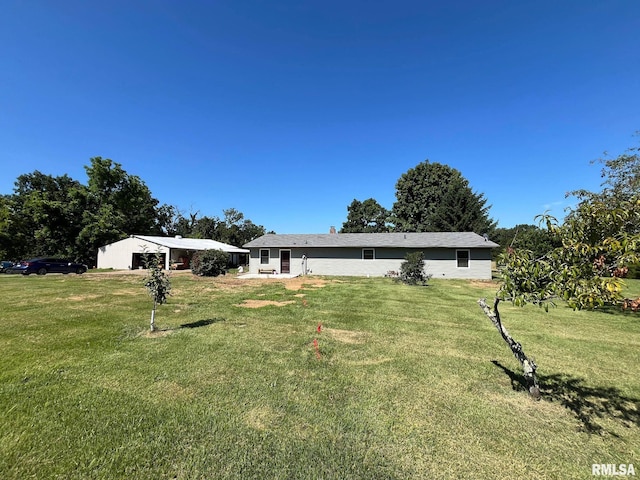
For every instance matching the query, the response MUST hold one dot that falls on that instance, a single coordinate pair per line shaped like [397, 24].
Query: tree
[366, 217]
[248, 231]
[232, 217]
[45, 216]
[432, 197]
[622, 174]
[167, 217]
[461, 210]
[157, 283]
[598, 239]
[119, 205]
[5, 237]
[206, 227]
[59, 216]
[524, 237]
[621, 183]
[234, 229]
[209, 263]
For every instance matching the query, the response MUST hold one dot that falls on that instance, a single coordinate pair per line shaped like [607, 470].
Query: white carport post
[167, 259]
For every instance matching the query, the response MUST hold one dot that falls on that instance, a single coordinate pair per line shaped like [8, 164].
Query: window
[462, 258]
[264, 257]
[368, 254]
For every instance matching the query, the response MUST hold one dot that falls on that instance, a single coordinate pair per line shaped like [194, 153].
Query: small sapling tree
[209, 263]
[412, 269]
[157, 282]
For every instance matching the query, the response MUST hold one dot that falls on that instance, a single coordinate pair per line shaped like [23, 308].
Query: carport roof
[191, 243]
[372, 240]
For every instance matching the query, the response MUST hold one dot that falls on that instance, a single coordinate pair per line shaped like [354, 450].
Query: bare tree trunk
[528, 366]
[153, 318]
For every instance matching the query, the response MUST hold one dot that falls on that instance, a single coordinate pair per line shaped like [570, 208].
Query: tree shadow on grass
[587, 403]
[202, 323]
[617, 310]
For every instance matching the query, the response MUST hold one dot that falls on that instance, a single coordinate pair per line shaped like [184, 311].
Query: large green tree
[366, 217]
[49, 215]
[433, 197]
[45, 216]
[461, 210]
[5, 217]
[119, 204]
[237, 230]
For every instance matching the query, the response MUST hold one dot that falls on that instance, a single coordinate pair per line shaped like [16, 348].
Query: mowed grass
[406, 382]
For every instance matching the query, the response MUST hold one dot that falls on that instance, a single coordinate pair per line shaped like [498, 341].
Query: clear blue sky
[288, 110]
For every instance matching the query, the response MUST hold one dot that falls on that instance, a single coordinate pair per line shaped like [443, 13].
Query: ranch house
[447, 254]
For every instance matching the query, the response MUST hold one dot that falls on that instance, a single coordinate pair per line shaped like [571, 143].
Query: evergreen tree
[461, 210]
[433, 197]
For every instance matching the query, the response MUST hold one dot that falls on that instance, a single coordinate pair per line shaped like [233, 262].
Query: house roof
[390, 240]
[190, 243]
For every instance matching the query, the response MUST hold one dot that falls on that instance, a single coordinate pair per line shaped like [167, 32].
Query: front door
[285, 261]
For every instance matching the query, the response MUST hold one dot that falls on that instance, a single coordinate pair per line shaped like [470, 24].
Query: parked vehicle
[45, 265]
[5, 266]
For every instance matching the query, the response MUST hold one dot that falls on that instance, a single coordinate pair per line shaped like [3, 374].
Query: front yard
[400, 382]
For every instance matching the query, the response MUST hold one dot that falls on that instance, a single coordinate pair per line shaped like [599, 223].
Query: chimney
[332, 229]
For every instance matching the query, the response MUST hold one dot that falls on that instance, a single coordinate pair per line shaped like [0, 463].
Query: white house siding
[348, 261]
[119, 255]
[274, 261]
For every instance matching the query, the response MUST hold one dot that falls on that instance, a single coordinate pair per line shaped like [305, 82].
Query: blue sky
[288, 110]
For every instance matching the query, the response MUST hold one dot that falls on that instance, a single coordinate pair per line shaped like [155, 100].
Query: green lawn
[412, 382]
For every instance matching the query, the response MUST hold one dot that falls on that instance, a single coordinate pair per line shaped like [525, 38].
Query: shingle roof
[191, 243]
[406, 240]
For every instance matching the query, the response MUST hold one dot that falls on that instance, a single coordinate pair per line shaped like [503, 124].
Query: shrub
[209, 263]
[412, 269]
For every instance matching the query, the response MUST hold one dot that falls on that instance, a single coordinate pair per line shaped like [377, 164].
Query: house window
[462, 258]
[264, 256]
[368, 253]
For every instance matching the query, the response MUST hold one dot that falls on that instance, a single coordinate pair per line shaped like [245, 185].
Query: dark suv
[45, 265]
[5, 266]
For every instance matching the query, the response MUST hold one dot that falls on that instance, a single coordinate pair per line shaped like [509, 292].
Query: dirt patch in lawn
[127, 292]
[80, 298]
[156, 334]
[482, 283]
[261, 418]
[173, 390]
[370, 361]
[346, 336]
[226, 283]
[264, 303]
[299, 283]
